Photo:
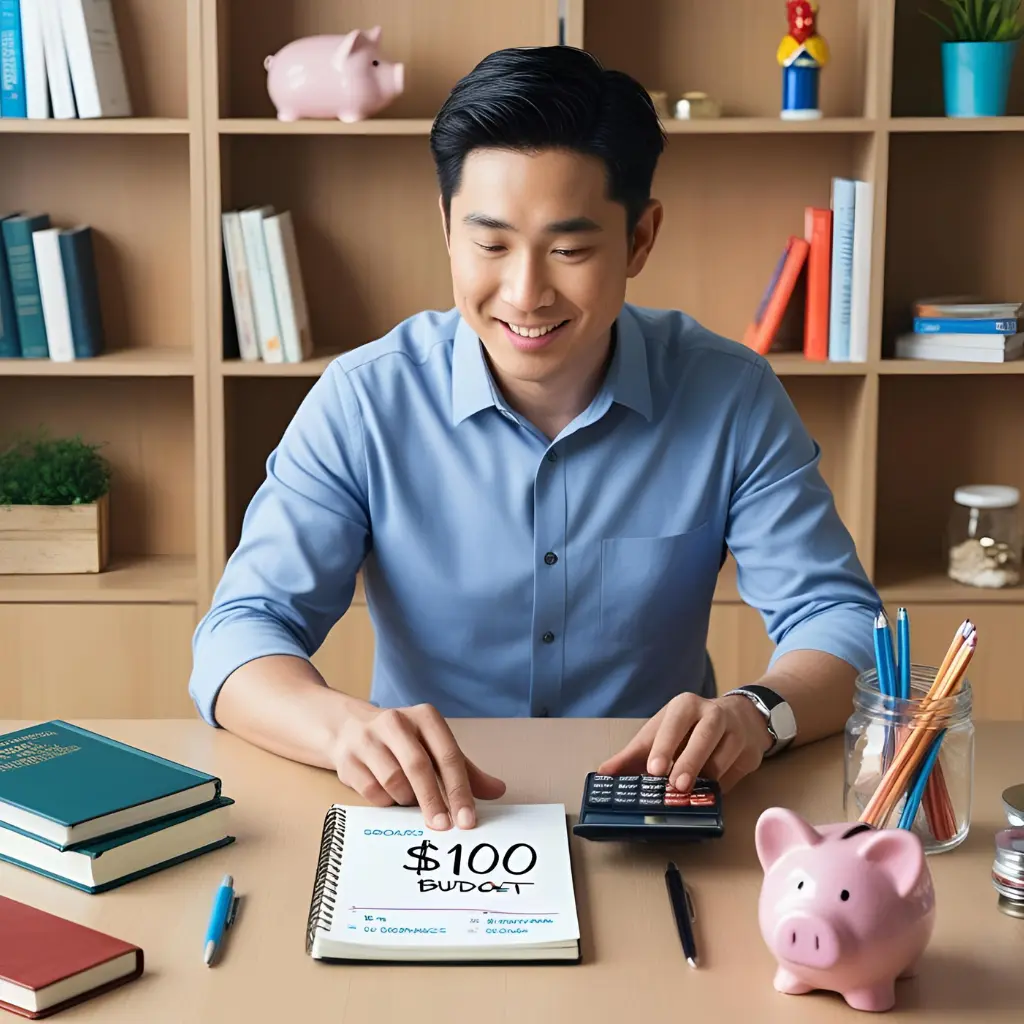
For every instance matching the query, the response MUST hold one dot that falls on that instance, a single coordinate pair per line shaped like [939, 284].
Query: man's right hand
[410, 756]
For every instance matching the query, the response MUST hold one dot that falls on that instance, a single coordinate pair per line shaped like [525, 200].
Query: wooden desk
[633, 967]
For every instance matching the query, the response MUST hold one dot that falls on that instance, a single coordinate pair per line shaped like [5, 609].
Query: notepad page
[506, 882]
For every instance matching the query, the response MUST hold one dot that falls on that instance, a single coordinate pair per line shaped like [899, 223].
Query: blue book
[844, 202]
[965, 325]
[82, 287]
[10, 346]
[102, 864]
[21, 263]
[12, 61]
[66, 785]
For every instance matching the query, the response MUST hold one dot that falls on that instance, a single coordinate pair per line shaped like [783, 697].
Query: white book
[860, 287]
[286, 273]
[94, 57]
[58, 75]
[37, 89]
[240, 286]
[388, 888]
[53, 294]
[268, 330]
[911, 347]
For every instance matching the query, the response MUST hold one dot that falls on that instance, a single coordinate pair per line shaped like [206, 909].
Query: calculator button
[677, 799]
[602, 778]
[600, 798]
[650, 801]
[702, 800]
[623, 801]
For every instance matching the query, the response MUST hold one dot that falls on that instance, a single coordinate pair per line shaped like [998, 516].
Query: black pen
[682, 910]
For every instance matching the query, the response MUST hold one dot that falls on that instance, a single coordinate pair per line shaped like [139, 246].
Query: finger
[388, 772]
[681, 715]
[702, 741]
[732, 776]
[484, 786]
[405, 743]
[729, 749]
[354, 774]
[634, 755]
[451, 765]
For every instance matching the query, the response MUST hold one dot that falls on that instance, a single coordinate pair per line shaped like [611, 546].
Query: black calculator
[647, 807]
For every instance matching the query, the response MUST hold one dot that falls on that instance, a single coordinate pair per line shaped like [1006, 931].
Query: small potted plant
[54, 514]
[981, 42]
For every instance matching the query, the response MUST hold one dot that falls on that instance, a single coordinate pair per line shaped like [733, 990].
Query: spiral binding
[328, 867]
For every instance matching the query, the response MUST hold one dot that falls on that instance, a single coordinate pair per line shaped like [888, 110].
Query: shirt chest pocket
[654, 588]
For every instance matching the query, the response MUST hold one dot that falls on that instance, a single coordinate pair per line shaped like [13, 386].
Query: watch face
[783, 722]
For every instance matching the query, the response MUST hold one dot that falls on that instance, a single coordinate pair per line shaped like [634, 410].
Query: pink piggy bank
[847, 908]
[341, 77]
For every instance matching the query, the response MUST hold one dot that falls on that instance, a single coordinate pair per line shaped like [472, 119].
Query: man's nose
[526, 286]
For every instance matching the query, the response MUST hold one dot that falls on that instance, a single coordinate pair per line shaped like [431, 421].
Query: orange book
[818, 232]
[761, 331]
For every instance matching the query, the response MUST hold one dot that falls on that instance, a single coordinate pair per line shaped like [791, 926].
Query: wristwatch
[778, 714]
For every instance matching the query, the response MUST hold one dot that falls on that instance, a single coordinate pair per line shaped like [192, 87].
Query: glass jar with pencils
[909, 747]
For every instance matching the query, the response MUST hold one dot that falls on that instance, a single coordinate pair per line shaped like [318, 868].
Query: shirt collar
[627, 381]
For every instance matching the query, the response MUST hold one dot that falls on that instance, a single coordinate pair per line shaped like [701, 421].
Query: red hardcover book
[48, 963]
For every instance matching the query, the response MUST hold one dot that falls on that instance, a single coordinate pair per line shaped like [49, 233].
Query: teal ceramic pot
[976, 77]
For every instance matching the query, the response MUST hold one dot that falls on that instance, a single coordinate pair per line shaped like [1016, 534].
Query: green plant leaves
[57, 471]
[980, 21]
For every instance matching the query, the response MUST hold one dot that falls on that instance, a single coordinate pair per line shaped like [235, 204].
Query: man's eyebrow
[570, 226]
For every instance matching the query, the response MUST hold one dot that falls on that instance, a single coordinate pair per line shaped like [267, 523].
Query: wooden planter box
[37, 539]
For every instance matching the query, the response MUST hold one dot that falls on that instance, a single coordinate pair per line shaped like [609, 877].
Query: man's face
[540, 260]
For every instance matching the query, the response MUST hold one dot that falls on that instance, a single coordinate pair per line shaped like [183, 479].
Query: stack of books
[49, 295]
[95, 813]
[960, 330]
[265, 312]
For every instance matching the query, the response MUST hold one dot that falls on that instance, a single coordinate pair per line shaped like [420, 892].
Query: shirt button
[552, 456]
[551, 558]
[548, 637]
[543, 713]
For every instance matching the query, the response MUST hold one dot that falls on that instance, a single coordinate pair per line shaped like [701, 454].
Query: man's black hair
[533, 98]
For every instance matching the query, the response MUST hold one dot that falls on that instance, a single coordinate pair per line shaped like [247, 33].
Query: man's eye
[490, 248]
[569, 252]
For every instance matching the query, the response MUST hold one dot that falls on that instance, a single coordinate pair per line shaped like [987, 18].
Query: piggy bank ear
[898, 853]
[351, 42]
[778, 830]
[373, 34]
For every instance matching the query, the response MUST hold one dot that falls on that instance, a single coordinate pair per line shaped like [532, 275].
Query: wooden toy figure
[801, 54]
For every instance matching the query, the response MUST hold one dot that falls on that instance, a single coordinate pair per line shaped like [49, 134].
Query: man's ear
[444, 225]
[644, 234]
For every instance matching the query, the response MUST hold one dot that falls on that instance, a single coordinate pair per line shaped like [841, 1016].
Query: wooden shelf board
[96, 126]
[942, 366]
[914, 585]
[793, 364]
[372, 126]
[766, 125]
[956, 124]
[309, 368]
[145, 579]
[139, 362]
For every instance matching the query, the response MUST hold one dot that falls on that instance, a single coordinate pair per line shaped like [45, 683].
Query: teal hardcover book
[67, 785]
[102, 864]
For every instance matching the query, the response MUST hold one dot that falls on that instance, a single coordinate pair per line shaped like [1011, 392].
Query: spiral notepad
[389, 889]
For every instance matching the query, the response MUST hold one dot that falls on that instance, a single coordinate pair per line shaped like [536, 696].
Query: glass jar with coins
[984, 536]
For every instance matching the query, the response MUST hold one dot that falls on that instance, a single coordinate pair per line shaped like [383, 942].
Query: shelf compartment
[97, 126]
[957, 124]
[935, 247]
[936, 433]
[140, 362]
[129, 579]
[730, 204]
[669, 45]
[438, 42]
[917, 64]
[314, 126]
[140, 216]
[145, 429]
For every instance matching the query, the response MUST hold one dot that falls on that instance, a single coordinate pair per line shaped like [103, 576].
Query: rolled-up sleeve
[304, 536]
[797, 563]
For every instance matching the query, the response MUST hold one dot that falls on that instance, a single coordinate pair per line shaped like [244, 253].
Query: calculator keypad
[649, 792]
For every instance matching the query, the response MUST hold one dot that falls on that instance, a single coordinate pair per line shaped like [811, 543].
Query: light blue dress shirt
[512, 575]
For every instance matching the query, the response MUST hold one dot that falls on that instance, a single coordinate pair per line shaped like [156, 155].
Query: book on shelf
[53, 287]
[93, 812]
[61, 59]
[389, 889]
[264, 287]
[823, 277]
[49, 962]
[961, 330]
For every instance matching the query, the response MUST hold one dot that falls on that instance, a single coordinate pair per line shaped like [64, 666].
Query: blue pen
[903, 647]
[224, 905]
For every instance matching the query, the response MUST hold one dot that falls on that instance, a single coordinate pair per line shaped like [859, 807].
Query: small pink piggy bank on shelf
[843, 907]
[341, 77]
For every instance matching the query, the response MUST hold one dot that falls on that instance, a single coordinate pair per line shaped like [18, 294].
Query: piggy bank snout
[399, 77]
[807, 939]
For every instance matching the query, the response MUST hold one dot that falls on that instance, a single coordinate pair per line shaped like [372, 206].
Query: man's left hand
[723, 738]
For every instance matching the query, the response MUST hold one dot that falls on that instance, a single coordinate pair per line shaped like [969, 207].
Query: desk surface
[633, 968]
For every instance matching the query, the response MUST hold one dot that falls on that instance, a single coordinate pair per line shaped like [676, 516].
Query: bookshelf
[188, 432]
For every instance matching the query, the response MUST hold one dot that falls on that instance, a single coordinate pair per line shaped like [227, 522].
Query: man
[539, 486]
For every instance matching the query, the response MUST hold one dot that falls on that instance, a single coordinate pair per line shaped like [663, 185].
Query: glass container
[984, 536]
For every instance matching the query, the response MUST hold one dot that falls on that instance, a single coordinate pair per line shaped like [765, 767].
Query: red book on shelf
[761, 331]
[818, 232]
[48, 963]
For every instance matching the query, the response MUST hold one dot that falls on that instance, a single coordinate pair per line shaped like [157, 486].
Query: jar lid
[987, 496]
[1009, 861]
